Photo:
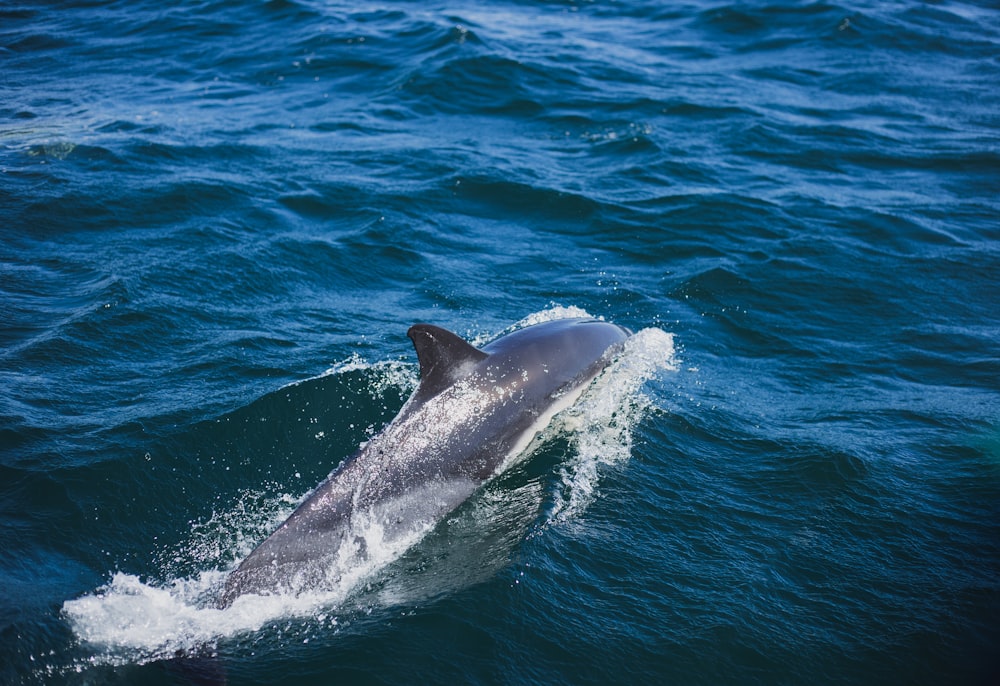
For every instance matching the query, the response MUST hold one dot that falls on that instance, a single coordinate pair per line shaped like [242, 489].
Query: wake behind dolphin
[474, 411]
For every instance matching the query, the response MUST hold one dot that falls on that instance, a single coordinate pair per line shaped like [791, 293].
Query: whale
[474, 412]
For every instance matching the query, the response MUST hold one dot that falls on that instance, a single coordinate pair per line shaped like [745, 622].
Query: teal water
[217, 221]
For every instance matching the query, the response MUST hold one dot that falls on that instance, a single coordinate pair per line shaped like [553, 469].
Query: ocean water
[218, 219]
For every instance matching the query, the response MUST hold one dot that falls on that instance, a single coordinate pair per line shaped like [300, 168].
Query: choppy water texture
[218, 220]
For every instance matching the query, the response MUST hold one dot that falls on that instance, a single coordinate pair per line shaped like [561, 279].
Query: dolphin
[472, 414]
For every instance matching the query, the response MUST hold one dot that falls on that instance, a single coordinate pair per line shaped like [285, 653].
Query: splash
[385, 374]
[601, 424]
[551, 314]
[132, 620]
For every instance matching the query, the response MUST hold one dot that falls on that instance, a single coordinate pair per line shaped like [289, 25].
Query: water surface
[218, 220]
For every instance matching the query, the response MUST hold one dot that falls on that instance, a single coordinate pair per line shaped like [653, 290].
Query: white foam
[601, 424]
[130, 620]
[553, 313]
[388, 373]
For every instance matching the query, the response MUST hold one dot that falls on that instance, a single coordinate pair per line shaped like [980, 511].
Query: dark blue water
[217, 221]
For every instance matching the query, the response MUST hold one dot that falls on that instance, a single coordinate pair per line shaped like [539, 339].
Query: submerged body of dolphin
[473, 410]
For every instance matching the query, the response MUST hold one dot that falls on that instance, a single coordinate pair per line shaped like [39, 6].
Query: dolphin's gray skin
[472, 411]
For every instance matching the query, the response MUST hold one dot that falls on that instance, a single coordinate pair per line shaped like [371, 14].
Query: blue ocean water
[217, 221]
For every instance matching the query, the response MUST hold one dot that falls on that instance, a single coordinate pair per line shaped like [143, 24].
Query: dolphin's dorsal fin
[444, 357]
